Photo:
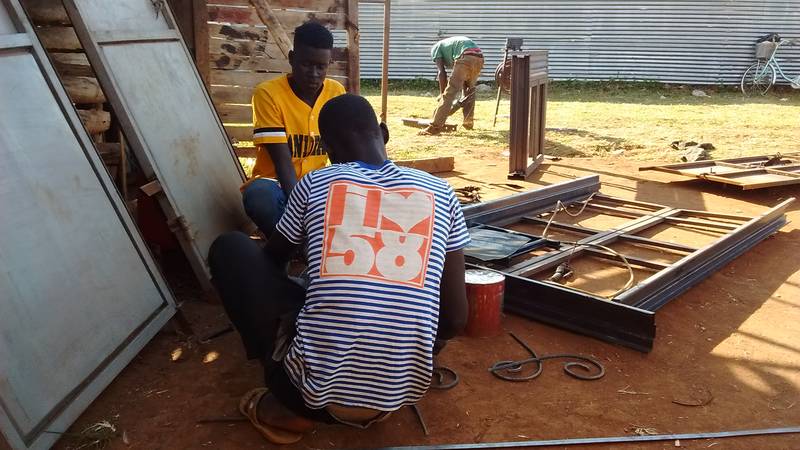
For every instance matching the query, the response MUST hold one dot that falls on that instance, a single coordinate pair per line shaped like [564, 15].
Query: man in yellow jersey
[286, 133]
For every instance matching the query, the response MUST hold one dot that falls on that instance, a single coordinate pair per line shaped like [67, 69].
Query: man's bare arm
[280, 249]
[442, 75]
[284, 169]
[452, 297]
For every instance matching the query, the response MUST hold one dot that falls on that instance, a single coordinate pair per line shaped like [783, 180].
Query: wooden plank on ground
[289, 18]
[83, 89]
[430, 165]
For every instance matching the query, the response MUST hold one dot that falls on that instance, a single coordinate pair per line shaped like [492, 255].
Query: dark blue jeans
[264, 201]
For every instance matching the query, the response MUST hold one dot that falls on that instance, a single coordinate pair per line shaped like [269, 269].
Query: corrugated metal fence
[704, 42]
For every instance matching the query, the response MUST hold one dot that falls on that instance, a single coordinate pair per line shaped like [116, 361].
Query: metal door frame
[85, 391]
[629, 318]
[92, 44]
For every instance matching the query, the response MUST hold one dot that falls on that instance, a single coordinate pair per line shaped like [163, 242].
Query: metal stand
[528, 108]
[511, 44]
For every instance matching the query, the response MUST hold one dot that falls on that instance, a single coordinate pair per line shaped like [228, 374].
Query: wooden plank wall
[55, 31]
[242, 53]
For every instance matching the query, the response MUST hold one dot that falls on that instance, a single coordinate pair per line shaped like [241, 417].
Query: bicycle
[762, 74]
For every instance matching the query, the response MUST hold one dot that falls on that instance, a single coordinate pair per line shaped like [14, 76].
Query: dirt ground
[732, 338]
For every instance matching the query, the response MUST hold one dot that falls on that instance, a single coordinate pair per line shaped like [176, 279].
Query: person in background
[466, 61]
[286, 132]
[386, 285]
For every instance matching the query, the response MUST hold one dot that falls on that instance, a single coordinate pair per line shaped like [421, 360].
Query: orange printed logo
[377, 233]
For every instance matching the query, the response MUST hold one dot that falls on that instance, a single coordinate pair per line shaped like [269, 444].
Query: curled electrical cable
[561, 207]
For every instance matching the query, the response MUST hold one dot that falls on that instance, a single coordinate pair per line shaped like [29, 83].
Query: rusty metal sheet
[79, 293]
[751, 172]
[156, 92]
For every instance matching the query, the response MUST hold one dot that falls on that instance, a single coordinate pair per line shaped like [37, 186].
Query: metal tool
[512, 370]
[603, 440]
[440, 374]
[458, 104]
[421, 419]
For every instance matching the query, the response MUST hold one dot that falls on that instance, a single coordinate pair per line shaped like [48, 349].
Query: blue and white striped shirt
[377, 239]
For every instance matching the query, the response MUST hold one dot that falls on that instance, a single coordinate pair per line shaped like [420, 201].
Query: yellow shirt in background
[280, 117]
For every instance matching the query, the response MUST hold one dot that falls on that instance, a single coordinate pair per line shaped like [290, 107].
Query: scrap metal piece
[580, 366]
[421, 419]
[751, 172]
[603, 440]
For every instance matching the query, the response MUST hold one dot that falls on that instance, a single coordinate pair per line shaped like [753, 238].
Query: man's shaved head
[347, 114]
[350, 130]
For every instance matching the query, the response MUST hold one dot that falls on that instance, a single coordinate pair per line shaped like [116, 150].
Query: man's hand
[284, 169]
[442, 75]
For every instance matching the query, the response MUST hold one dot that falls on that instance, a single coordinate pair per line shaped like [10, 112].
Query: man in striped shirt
[386, 271]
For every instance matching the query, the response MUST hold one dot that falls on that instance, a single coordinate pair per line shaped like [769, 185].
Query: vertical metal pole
[499, 89]
[123, 167]
[387, 9]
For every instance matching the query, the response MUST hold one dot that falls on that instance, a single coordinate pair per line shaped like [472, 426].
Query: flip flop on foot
[248, 406]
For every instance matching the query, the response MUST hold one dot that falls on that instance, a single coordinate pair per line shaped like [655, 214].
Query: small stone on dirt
[699, 93]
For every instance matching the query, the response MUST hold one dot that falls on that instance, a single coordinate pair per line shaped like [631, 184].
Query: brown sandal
[248, 406]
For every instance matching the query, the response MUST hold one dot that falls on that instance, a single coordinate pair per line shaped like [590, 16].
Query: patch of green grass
[635, 120]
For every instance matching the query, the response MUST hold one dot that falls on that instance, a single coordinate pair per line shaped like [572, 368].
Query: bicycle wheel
[758, 78]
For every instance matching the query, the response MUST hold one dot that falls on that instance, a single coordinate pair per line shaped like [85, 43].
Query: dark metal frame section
[528, 111]
[629, 318]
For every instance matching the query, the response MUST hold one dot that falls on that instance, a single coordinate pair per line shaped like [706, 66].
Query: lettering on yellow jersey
[303, 145]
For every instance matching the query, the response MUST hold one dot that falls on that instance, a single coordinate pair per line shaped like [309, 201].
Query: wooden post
[201, 39]
[274, 26]
[387, 13]
[353, 38]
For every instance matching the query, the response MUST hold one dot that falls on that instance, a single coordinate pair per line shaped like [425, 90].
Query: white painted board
[151, 81]
[79, 293]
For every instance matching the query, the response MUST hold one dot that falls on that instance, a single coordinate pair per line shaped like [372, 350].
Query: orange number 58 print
[377, 233]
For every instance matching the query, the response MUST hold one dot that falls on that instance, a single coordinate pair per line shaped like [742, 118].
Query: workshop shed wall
[688, 41]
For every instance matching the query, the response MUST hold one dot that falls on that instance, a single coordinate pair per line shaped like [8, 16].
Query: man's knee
[262, 192]
[264, 202]
[226, 247]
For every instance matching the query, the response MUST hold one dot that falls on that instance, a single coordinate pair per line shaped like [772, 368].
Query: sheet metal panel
[703, 42]
[153, 85]
[79, 293]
